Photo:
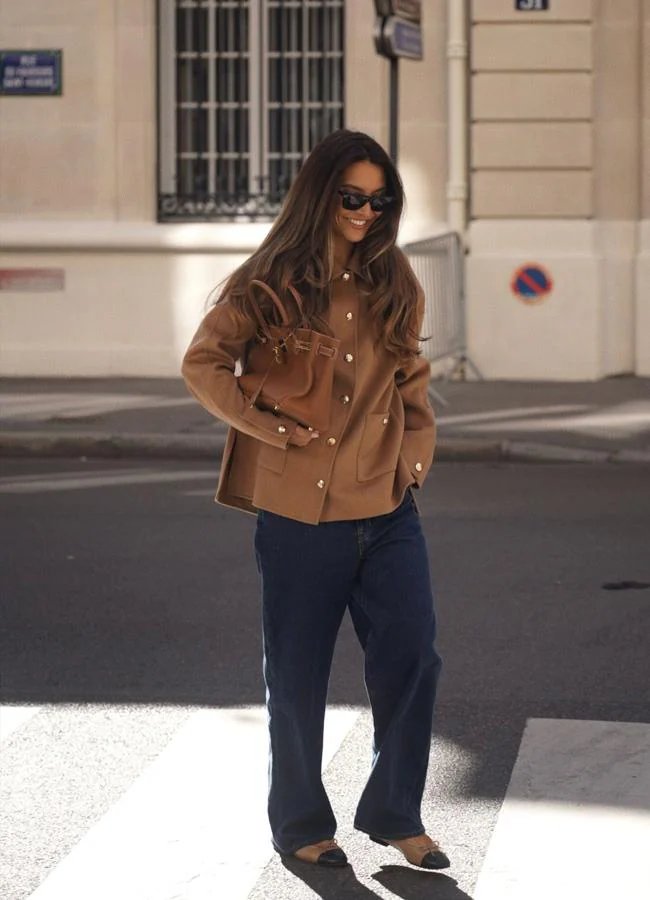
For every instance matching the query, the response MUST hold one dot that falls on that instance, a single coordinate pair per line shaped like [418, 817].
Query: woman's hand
[302, 436]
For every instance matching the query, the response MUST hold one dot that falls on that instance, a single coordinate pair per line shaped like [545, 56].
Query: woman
[337, 524]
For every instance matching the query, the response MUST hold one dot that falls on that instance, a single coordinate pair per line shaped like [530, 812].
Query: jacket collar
[354, 266]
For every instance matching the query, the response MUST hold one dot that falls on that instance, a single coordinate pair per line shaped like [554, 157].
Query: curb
[104, 445]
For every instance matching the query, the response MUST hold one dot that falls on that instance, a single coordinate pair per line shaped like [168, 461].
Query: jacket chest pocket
[272, 458]
[379, 447]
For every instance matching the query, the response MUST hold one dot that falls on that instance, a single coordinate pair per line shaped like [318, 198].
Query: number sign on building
[531, 5]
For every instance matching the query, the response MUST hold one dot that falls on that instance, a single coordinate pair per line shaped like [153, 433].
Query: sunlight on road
[622, 420]
[13, 717]
[576, 818]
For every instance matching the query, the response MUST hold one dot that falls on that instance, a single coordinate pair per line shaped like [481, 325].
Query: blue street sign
[30, 72]
[399, 38]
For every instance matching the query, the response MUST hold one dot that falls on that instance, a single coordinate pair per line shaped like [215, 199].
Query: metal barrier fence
[438, 263]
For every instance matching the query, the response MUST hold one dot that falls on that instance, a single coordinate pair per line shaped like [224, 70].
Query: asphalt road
[123, 585]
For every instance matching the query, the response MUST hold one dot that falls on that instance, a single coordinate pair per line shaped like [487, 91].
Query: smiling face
[351, 226]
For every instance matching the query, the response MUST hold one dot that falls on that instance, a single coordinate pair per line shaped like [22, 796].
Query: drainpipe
[457, 76]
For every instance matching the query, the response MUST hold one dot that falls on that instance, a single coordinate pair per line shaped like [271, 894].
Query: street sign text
[30, 72]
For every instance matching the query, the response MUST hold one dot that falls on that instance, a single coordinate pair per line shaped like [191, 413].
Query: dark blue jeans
[378, 569]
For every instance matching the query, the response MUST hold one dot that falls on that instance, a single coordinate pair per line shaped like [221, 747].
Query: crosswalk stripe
[193, 825]
[575, 821]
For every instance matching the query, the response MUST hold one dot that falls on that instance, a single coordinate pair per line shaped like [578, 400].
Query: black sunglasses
[353, 200]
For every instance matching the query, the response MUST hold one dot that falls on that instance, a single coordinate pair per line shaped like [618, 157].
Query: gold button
[345, 399]
[281, 429]
[385, 420]
[348, 316]
[418, 467]
[349, 357]
[346, 276]
[331, 441]
[320, 483]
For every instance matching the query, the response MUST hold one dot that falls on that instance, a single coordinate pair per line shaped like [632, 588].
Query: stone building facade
[558, 177]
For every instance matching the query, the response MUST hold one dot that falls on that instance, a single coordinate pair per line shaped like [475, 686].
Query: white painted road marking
[575, 821]
[75, 481]
[511, 412]
[208, 493]
[35, 407]
[194, 825]
[624, 420]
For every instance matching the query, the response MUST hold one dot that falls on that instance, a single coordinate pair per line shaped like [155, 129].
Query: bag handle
[298, 301]
[257, 311]
[279, 305]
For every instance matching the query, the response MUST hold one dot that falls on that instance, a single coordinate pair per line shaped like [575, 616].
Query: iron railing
[246, 89]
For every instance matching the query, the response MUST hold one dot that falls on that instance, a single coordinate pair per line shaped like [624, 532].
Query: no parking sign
[531, 283]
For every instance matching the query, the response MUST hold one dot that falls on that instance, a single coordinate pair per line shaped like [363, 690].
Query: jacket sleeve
[419, 441]
[209, 372]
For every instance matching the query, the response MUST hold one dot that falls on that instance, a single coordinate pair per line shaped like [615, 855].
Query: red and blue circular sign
[531, 283]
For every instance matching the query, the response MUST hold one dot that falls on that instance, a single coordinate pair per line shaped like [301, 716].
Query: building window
[246, 88]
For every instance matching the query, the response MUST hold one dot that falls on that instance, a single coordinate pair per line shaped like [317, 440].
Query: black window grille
[246, 88]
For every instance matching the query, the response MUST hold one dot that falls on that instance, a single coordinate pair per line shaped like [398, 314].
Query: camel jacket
[382, 432]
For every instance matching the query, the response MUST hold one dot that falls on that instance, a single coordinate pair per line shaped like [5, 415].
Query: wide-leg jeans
[378, 569]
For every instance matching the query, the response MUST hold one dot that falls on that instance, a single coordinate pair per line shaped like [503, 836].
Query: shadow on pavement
[413, 885]
[402, 881]
[330, 884]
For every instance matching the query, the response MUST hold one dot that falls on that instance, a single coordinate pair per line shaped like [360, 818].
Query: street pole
[394, 107]
[397, 32]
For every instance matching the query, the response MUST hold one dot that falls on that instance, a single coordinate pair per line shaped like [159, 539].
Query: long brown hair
[298, 249]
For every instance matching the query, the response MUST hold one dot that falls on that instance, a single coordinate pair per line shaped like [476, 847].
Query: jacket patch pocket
[272, 458]
[379, 447]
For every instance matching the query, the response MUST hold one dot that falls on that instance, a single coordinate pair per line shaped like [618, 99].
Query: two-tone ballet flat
[324, 853]
[420, 851]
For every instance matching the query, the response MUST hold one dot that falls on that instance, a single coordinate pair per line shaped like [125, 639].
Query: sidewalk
[603, 421]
